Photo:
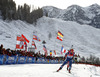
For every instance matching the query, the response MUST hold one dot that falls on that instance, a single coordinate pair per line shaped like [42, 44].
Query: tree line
[9, 11]
[90, 60]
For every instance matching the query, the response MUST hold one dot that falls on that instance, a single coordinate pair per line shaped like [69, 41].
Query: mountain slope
[83, 15]
[84, 38]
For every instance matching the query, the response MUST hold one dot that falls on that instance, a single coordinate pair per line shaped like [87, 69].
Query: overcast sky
[62, 4]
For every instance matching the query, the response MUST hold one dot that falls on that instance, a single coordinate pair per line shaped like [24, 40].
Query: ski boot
[69, 71]
[58, 69]
[67, 68]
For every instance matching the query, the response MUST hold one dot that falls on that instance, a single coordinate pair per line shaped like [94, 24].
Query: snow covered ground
[48, 70]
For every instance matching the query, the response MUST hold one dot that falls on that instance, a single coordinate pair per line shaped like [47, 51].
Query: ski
[55, 71]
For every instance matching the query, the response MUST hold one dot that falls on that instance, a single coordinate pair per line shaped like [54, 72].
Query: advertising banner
[30, 60]
[1, 59]
[21, 60]
[10, 59]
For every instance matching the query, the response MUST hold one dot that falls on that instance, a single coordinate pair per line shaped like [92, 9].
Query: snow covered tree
[97, 61]
[83, 59]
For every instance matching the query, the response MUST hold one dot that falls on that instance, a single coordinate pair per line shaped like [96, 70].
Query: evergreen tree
[9, 12]
[8, 8]
[97, 61]
[35, 14]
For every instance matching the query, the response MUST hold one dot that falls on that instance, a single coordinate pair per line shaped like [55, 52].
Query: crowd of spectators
[10, 52]
[37, 55]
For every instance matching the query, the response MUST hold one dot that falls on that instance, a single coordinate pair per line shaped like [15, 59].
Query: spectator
[9, 52]
[1, 49]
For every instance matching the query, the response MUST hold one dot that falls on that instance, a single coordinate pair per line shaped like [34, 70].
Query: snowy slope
[47, 70]
[86, 39]
[83, 15]
[9, 31]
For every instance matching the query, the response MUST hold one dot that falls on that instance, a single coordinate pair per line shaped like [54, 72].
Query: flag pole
[16, 42]
[55, 42]
[32, 40]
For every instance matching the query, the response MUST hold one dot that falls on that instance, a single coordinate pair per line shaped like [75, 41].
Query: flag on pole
[60, 36]
[54, 52]
[50, 53]
[33, 44]
[45, 50]
[25, 46]
[25, 38]
[20, 43]
[62, 50]
[25, 42]
[36, 38]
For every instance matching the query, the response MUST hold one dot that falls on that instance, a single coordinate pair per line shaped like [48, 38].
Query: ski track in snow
[48, 70]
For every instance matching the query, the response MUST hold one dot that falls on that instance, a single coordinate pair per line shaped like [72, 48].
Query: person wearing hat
[70, 54]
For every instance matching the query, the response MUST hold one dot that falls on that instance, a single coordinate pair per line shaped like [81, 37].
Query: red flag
[59, 38]
[64, 51]
[25, 38]
[36, 38]
[55, 52]
[20, 43]
[33, 43]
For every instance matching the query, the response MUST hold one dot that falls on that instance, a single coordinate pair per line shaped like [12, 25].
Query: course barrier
[10, 59]
[1, 59]
[5, 59]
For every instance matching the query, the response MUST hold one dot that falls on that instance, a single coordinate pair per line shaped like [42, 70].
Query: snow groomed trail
[48, 70]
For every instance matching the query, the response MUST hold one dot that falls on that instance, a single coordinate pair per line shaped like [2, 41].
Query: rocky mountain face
[83, 15]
